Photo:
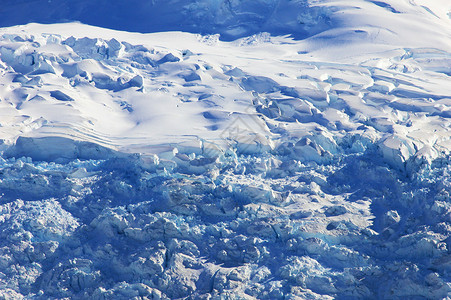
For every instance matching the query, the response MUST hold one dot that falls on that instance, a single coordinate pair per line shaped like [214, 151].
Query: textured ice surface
[256, 227]
[180, 166]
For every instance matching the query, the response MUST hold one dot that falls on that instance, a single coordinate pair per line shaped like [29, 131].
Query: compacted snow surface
[176, 165]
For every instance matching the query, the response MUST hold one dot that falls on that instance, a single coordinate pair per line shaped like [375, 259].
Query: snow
[225, 158]
[231, 19]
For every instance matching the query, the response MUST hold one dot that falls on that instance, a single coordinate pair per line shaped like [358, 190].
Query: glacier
[225, 149]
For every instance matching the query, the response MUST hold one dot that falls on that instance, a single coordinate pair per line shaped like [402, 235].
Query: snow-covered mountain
[259, 150]
[230, 18]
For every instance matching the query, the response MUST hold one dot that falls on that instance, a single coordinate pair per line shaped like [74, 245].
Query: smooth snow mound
[169, 93]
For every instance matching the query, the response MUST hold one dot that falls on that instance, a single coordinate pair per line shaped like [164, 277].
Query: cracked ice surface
[177, 165]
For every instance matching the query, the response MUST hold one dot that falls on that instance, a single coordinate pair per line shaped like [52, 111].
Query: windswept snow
[175, 165]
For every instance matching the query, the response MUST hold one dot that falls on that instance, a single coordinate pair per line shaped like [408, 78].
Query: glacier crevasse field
[230, 150]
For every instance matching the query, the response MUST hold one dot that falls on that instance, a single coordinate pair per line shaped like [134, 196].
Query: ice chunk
[168, 58]
[136, 81]
[260, 84]
[308, 150]
[89, 48]
[396, 151]
[58, 95]
[115, 48]
[189, 76]
[20, 78]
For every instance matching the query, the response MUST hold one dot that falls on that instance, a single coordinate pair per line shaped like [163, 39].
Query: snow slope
[230, 18]
[181, 165]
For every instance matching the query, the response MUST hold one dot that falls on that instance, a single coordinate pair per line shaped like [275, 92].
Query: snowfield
[226, 160]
